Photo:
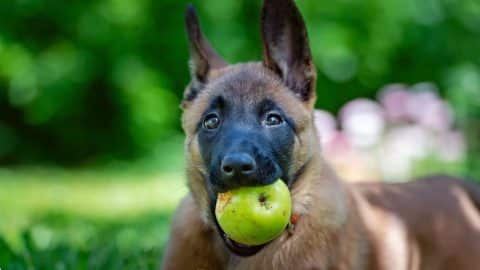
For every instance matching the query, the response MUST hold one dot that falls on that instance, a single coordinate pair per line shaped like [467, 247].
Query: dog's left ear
[203, 57]
[286, 48]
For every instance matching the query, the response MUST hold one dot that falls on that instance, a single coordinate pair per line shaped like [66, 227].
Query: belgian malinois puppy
[250, 124]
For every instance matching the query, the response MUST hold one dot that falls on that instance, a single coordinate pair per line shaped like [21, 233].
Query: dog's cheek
[194, 156]
[303, 149]
[192, 112]
[196, 177]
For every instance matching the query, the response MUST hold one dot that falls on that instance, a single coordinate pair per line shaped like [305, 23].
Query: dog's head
[249, 124]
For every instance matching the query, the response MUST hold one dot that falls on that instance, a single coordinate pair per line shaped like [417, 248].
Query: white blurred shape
[451, 146]
[338, 147]
[402, 146]
[326, 126]
[350, 163]
[363, 122]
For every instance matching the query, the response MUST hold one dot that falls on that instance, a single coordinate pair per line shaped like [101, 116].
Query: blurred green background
[91, 162]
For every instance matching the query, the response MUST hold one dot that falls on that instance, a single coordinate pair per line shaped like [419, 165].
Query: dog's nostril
[227, 169]
[247, 168]
[237, 165]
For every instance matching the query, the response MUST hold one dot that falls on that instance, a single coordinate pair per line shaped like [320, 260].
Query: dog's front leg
[192, 245]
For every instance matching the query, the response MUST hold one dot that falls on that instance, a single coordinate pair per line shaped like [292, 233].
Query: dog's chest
[315, 252]
[282, 256]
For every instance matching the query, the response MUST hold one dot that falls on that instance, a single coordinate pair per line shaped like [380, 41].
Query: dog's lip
[240, 249]
[235, 247]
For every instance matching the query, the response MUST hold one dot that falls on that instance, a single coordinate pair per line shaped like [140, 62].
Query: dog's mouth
[235, 247]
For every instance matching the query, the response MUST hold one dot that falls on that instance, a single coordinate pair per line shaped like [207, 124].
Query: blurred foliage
[85, 219]
[59, 241]
[463, 84]
[84, 81]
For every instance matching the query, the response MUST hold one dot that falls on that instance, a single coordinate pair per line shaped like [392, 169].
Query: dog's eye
[273, 119]
[212, 121]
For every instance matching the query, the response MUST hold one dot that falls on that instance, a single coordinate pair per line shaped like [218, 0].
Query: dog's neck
[319, 186]
[321, 202]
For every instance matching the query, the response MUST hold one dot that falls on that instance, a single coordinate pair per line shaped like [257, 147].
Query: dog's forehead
[246, 85]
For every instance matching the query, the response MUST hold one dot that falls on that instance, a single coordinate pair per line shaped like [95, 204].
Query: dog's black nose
[238, 165]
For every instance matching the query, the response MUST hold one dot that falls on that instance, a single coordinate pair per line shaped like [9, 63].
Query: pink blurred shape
[436, 115]
[363, 122]
[387, 139]
[426, 108]
[352, 164]
[338, 147]
[394, 99]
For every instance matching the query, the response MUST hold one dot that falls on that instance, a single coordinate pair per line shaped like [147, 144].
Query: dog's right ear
[286, 47]
[203, 58]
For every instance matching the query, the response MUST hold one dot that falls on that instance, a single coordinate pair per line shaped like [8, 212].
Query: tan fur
[424, 225]
[322, 202]
[434, 221]
[195, 245]
[230, 81]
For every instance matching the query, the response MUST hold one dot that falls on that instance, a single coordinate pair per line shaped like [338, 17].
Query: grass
[85, 219]
[114, 217]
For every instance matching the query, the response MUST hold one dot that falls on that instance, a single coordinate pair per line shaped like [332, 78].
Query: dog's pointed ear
[286, 48]
[203, 58]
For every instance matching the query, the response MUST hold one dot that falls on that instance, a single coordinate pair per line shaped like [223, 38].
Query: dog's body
[430, 224]
[250, 124]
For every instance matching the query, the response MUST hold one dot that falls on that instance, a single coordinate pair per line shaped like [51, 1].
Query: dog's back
[432, 223]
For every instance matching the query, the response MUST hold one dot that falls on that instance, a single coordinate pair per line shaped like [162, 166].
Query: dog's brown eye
[211, 121]
[273, 119]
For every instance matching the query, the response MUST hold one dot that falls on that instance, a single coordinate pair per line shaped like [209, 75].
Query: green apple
[254, 215]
